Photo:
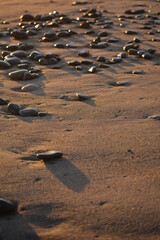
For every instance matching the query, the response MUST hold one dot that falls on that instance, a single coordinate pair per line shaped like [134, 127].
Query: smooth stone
[102, 65]
[30, 76]
[26, 18]
[129, 46]
[137, 72]
[84, 53]
[28, 112]
[49, 155]
[14, 108]
[112, 40]
[18, 34]
[141, 52]
[121, 83]
[23, 65]
[35, 70]
[137, 11]
[5, 53]
[79, 68]
[74, 63]
[85, 25]
[19, 54]
[12, 60]
[86, 62]
[93, 69]
[3, 102]
[136, 40]
[4, 64]
[116, 59]
[146, 55]
[103, 34]
[156, 117]
[82, 97]
[130, 32]
[30, 88]
[12, 47]
[59, 45]
[7, 206]
[102, 44]
[35, 54]
[70, 45]
[122, 55]
[42, 114]
[132, 51]
[18, 75]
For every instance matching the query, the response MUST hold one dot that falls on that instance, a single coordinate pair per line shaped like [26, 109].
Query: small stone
[129, 46]
[3, 102]
[86, 62]
[130, 32]
[28, 112]
[121, 83]
[4, 64]
[116, 59]
[85, 25]
[101, 59]
[23, 65]
[17, 75]
[112, 40]
[30, 88]
[74, 63]
[7, 206]
[147, 55]
[14, 108]
[18, 34]
[42, 114]
[79, 68]
[82, 97]
[122, 55]
[103, 34]
[93, 69]
[132, 51]
[102, 65]
[84, 53]
[137, 72]
[136, 40]
[19, 54]
[26, 18]
[49, 155]
[12, 60]
[59, 45]
[156, 117]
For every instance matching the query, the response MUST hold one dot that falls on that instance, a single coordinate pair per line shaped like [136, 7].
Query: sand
[107, 184]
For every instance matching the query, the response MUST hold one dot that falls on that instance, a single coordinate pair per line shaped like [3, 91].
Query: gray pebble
[49, 155]
[93, 69]
[28, 112]
[4, 64]
[30, 88]
[14, 108]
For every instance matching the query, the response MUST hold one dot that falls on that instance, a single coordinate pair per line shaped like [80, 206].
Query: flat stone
[12, 60]
[4, 64]
[26, 18]
[14, 108]
[30, 88]
[132, 51]
[147, 55]
[130, 32]
[137, 71]
[122, 55]
[28, 112]
[101, 59]
[156, 117]
[7, 206]
[3, 102]
[116, 59]
[112, 40]
[82, 97]
[42, 114]
[17, 75]
[49, 155]
[74, 63]
[102, 65]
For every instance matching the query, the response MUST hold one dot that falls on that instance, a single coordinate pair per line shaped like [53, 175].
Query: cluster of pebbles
[20, 58]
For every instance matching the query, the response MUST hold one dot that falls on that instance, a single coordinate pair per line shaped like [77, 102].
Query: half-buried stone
[14, 108]
[12, 60]
[30, 88]
[18, 34]
[28, 112]
[49, 155]
[7, 206]
[22, 74]
[155, 117]
[3, 102]
[81, 97]
[19, 54]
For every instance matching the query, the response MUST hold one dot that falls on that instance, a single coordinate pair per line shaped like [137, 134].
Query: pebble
[116, 59]
[137, 72]
[28, 112]
[42, 114]
[26, 18]
[7, 206]
[130, 32]
[93, 69]
[129, 46]
[4, 64]
[85, 25]
[49, 155]
[23, 65]
[146, 55]
[101, 59]
[132, 51]
[19, 34]
[14, 108]
[102, 65]
[19, 54]
[12, 60]
[122, 55]
[74, 63]
[81, 97]
[156, 117]
[22, 74]
[112, 40]
[30, 88]
[3, 102]
[84, 53]
[86, 62]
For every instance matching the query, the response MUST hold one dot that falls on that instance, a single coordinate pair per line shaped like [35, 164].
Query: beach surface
[107, 184]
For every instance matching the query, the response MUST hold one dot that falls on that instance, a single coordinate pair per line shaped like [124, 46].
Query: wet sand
[106, 186]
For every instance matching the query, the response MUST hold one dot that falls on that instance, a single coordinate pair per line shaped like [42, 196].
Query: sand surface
[107, 185]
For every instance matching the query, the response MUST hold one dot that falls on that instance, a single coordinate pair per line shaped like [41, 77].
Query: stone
[103, 34]
[121, 83]
[18, 74]
[79, 68]
[49, 155]
[101, 59]
[59, 45]
[122, 55]
[19, 54]
[84, 53]
[42, 114]
[30, 88]
[112, 40]
[132, 51]
[74, 63]
[156, 117]
[7, 206]
[4, 64]
[14, 108]
[23, 65]
[28, 112]
[116, 59]
[12, 60]
[85, 25]
[102, 65]
[129, 46]
[26, 18]
[93, 69]
[3, 102]
[34, 54]
[19, 34]
[12, 47]
[81, 97]
[147, 56]
[86, 62]
[130, 32]
[137, 72]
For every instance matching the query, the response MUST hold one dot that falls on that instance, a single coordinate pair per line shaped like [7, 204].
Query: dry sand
[99, 190]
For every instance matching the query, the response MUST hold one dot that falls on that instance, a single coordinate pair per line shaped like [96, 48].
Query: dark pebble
[28, 112]
[14, 108]
[49, 155]
[3, 102]
[26, 18]
[4, 64]
[18, 34]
